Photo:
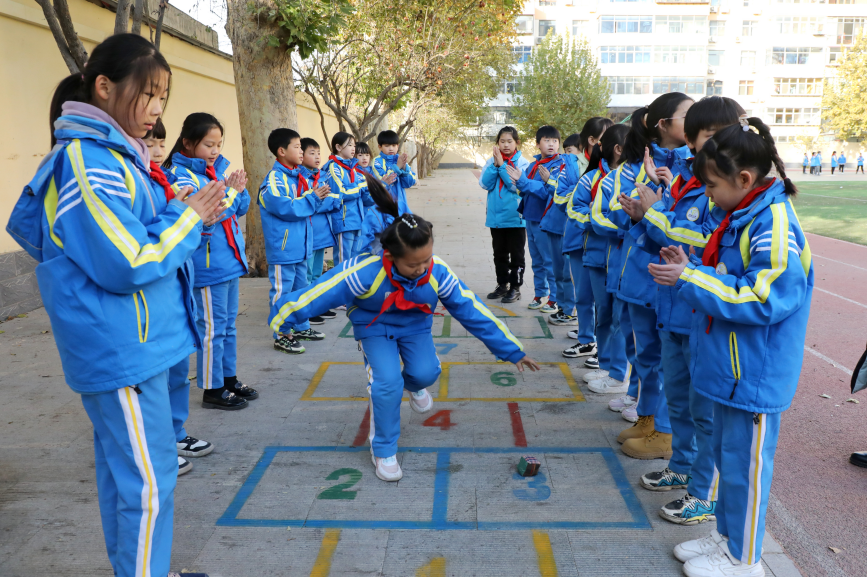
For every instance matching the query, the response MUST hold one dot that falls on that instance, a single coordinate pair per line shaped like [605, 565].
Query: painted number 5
[339, 491]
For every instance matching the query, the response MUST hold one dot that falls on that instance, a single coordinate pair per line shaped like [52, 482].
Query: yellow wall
[31, 66]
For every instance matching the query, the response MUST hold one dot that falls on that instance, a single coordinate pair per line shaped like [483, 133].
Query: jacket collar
[283, 169]
[305, 172]
[775, 194]
[72, 127]
[198, 165]
[389, 158]
[667, 157]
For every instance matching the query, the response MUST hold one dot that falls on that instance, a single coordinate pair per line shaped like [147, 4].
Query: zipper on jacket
[623, 270]
[736, 361]
[142, 336]
[208, 255]
[285, 238]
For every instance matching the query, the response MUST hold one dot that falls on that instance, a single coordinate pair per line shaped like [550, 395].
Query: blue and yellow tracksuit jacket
[353, 195]
[287, 218]
[608, 230]
[112, 259]
[215, 260]
[361, 281]
[371, 229]
[386, 164]
[689, 225]
[554, 218]
[535, 194]
[759, 297]
[321, 220]
[501, 210]
[579, 233]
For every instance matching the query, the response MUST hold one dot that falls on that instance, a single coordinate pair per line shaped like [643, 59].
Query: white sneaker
[608, 385]
[617, 405]
[421, 402]
[595, 375]
[184, 466]
[721, 564]
[699, 547]
[388, 469]
[630, 413]
[573, 334]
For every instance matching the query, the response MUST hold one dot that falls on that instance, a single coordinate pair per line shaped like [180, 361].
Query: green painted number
[339, 491]
[504, 379]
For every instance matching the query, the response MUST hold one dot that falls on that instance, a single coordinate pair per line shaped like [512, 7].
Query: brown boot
[639, 430]
[656, 445]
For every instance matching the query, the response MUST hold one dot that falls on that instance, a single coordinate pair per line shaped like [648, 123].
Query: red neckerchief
[396, 298]
[711, 250]
[596, 184]
[211, 173]
[351, 171]
[159, 177]
[286, 165]
[587, 154]
[304, 186]
[678, 192]
[541, 161]
[508, 160]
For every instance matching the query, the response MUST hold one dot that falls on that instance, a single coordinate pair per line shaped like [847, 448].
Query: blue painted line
[441, 489]
[625, 489]
[444, 348]
[249, 486]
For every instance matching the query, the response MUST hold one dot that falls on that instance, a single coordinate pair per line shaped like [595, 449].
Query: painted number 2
[540, 491]
[339, 491]
[441, 419]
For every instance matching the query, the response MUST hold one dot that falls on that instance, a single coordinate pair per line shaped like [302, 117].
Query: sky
[209, 12]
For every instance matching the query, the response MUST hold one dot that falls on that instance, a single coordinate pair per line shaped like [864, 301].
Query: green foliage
[560, 85]
[308, 25]
[843, 102]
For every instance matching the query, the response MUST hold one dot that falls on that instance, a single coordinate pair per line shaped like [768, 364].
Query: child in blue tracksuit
[610, 353]
[535, 185]
[321, 220]
[657, 130]
[841, 161]
[806, 162]
[219, 261]
[859, 163]
[751, 291]
[393, 298]
[113, 276]
[682, 217]
[508, 229]
[833, 162]
[288, 202]
[343, 175]
[389, 163]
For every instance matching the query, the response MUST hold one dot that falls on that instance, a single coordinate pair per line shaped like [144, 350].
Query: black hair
[711, 113]
[387, 137]
[125, 59]
[547, 132]
[644, 124]
[572, 140]
[280, 138]
[308, 143]
[408, 231]
[196, 127]
[594, 127]
[613, 136]
[734, 149]
[340, 139]
[362, 148]
[510, 130]
[158, 132]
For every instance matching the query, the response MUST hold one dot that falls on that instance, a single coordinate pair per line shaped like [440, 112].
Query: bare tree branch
[121, 18]
[54, 26]
[137, 16]
[73, 42]
[159, 33]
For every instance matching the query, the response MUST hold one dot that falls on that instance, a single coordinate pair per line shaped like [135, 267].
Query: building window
[795, 55]
[799, 24]
[629, 84]
[499, 117]
[745, 88]
[748, 27]
[803, 2]
[746, 3]
[579, 28]
[835, 53]
[625, 24]
[524, 24]
[794, 115]
[714, 87]
[716, 57]
[680, 24]
[545, 26]
[688, 85]
[748, 58]
[717, 27]
[848, 29]
[510, 87]
[522, 53]
[679, 55]
[624, 54]
[798, 86]
[544, 3]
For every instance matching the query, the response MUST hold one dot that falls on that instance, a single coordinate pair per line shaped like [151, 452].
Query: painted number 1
[339, 491]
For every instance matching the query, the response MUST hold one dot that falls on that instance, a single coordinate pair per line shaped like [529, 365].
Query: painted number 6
[504, 379]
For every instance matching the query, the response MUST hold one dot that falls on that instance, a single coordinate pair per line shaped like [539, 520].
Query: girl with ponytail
[392, 302]
[751, 292]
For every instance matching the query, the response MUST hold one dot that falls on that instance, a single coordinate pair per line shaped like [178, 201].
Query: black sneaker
[511, 296]
[328, 315]
[318, 320]
[223, 399]
[308, 335]
[580, 350]
[243, 391]
[184, 466]
[499, 292]
[592, 362]
[288, 344]
[560, 318]
[193, 447]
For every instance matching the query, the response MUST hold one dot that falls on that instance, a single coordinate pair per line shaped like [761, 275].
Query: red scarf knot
[538, 162]
[211, 173]
[680, 189]
[351, 171]
[159, 177]
[397, 297]
[508, 161]
[596, 184]
[304, 186]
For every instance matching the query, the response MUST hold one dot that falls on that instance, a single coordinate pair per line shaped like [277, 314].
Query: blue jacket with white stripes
[536, 194]
[554, 218]
[323, 236]
[362, 282]
[386, 164]
[112, 259]
[749, 354]
[578, 231]
[606, 229]
[354, 196]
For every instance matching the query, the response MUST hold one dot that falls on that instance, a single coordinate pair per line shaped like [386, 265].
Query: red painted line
[517, 425]
[363, 429]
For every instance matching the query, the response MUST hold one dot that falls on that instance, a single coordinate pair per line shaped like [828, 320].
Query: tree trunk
[266, 100]
[137, 16]
[159, 31]
[121, 17]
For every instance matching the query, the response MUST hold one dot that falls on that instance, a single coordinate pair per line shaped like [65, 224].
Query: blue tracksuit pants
[583, 298]
[348, 245]
[610, 345]
[286, 278]
[540, 260]
[562, 274]
[382, 357]
[623, 323]
[216, 312]
[314, 265]
[744, 446]
[136, 473]
[179, 397]
[691, 417]
[648, 357]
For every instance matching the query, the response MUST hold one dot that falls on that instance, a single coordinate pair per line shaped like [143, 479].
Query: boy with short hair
[392, 168]
[572, 144]
[288, 200]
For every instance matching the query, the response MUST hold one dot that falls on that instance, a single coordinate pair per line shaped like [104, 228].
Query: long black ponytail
[408, 231]
[604, 149]
[645, 123]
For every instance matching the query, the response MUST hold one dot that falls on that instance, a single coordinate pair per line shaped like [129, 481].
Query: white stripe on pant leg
[754, 497]
[340, 247]
[208, 341]
[150, 502]
[714, 485]
[371, 431]
[278, 283]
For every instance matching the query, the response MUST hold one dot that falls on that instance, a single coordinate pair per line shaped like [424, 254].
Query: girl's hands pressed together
[676, 260]
[632, 207]
[498, 156]
[401, 160]
[514, 173]
[237, 180]
[529, 363]
[647, 197]
[208, 202]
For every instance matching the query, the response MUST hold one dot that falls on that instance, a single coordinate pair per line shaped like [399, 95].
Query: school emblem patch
[721, 268]
[692, 214]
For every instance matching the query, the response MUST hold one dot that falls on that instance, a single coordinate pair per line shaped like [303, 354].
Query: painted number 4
[441, 419]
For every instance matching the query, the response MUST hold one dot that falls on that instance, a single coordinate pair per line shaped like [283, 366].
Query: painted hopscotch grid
[446, 332]
[439, 516]
[443, 395]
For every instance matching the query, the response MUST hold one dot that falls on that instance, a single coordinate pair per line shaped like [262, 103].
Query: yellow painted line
[436, 568]
[505, 310]
[545, 555]
[322, 566]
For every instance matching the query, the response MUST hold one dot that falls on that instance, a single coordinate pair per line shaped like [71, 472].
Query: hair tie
[744, 122]
[412, 224]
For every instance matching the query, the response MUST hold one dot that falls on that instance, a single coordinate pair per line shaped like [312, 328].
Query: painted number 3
[339, 491]
[540, 491]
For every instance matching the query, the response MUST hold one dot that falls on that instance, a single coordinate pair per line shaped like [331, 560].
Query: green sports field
[837, 208]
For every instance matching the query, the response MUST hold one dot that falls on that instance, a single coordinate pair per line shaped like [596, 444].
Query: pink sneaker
[388, 469]
[421, 402]
[630, 414]
[617, 405]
